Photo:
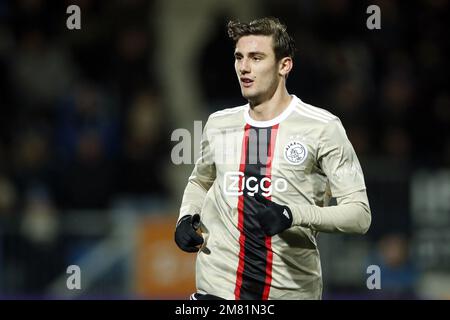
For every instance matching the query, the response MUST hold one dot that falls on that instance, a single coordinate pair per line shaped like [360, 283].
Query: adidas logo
[286, 214]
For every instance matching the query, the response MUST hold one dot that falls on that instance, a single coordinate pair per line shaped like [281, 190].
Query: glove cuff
[184, 218]
[290, 213]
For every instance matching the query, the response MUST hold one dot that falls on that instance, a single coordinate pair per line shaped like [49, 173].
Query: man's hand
[186, 237]
[274, 218]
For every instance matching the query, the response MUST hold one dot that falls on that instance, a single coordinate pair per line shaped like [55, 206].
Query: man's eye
[257, 58]
[238, 57]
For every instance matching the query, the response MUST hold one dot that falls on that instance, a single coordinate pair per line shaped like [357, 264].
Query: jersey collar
[271, 122]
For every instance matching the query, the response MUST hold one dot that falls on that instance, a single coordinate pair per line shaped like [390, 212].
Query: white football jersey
[299, 159]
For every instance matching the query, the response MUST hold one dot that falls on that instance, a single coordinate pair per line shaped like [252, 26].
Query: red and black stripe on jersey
[254, 274]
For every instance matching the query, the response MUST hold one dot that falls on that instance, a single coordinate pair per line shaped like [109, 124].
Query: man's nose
[244, 66]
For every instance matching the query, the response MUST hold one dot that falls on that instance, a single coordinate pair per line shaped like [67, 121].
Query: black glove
[186, 237]
[274, 218]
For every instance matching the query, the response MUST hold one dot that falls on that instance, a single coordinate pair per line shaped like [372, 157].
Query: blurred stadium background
[86, 118]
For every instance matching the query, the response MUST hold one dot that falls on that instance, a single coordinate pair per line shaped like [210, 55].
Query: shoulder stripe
[230, 110]
[317, 111]
[227, 111]
[313, 114]
[301, 112]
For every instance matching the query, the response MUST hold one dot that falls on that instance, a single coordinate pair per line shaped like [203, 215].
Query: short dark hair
[283, 44]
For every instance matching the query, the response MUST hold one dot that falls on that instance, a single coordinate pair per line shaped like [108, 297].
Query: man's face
[256, 67]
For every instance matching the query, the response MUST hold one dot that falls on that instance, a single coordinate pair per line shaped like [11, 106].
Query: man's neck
[272, 107]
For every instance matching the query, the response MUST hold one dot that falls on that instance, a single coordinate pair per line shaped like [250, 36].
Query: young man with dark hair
[259, 193]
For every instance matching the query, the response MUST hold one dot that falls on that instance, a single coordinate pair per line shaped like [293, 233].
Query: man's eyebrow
[256, 53]
[251, 54]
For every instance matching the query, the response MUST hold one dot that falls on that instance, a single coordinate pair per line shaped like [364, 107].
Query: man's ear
[285, 66]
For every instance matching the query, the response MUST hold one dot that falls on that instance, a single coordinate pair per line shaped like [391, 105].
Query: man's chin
[247, 95]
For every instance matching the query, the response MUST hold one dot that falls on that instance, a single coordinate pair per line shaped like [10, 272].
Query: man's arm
[339, 162]
[201, 179]
[351, 215]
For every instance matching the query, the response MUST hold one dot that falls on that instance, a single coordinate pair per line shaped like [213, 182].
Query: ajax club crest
[295, 152]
